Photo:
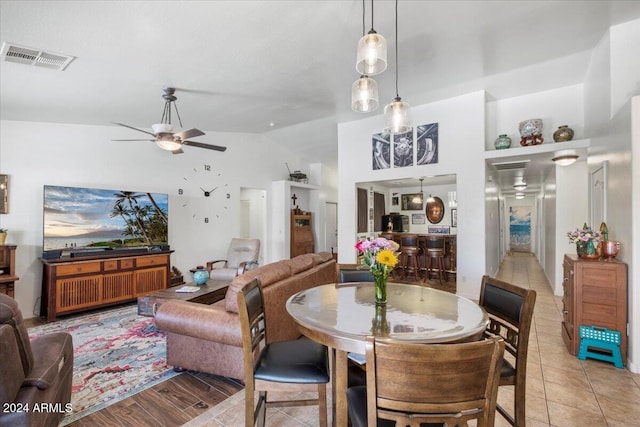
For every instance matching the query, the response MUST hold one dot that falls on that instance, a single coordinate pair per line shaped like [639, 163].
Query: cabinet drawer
[126, 263]
[151, 260]
[111, 265]
[75, 269]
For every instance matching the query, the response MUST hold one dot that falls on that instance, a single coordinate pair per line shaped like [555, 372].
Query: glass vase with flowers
[379, 255]
[586, 241]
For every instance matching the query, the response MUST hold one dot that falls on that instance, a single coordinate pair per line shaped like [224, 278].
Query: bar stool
[409, 252]
[435, 252]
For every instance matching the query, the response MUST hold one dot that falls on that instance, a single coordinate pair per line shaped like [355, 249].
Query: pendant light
[372, 52]
[364, 92]
[418, 198]
[396, 114]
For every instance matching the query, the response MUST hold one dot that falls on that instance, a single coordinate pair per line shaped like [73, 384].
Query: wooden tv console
[71, 285]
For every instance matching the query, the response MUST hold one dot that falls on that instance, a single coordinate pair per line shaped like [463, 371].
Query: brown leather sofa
[35, 375]
[208, 338]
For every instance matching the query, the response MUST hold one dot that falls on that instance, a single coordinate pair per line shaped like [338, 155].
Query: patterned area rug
[116, 354]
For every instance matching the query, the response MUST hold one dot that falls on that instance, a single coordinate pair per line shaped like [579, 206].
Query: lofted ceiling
[285, 68]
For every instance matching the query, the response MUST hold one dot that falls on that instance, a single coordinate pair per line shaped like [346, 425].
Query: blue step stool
[602, 338]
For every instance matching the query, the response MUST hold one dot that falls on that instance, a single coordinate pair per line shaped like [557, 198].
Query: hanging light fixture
[418, 198]
[520, 185]
[372, 52]
[364, 92]
[396, 114]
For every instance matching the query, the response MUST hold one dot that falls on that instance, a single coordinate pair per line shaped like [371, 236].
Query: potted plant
[3, 235]
[586, 241]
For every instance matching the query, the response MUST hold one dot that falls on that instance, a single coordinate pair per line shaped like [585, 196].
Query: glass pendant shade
[372, 54]
[396, 117]
[364, 95]
[166, 142]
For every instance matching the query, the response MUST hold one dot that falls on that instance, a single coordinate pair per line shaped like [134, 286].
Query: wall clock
[206, 195]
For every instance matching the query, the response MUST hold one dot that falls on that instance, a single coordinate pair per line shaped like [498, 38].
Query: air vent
[38, 58]
[505, 166]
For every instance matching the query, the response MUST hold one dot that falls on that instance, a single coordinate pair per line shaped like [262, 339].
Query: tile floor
[562, 391]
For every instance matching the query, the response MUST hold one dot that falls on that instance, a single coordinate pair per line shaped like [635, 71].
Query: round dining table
[342, 315]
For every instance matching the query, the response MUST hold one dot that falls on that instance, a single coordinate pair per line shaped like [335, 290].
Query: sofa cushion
[301, 263]
[321, 257]
[267, 274]
[11, 367]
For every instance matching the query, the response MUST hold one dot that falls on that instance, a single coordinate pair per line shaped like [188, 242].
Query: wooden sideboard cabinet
[595, 294]
[77, 284]
[301, 234]
[8, 276]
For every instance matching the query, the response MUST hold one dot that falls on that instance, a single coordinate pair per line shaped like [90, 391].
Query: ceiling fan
[164, 132]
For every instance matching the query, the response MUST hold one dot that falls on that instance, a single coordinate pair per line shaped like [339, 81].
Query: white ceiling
[241, 65]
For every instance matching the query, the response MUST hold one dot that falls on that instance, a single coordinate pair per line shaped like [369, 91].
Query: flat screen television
[89, 219]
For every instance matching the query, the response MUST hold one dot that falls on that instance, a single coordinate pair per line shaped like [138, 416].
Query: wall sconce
[565, 160]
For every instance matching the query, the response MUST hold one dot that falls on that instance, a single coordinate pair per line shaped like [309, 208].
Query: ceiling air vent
[30, 56]
[505, 166]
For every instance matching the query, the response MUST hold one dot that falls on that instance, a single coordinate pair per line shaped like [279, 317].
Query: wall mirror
[434, 210]
[4, 194]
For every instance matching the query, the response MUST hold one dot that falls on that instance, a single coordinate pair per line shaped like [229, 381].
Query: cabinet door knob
[565, 312]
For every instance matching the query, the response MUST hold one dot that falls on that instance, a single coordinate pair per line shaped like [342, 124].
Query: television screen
[87, 218]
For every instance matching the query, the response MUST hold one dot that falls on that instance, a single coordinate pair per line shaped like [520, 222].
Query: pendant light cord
[363, 25]
[397, 96]
[372, 15]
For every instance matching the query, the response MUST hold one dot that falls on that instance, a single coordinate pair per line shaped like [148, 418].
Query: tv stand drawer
[78, 268]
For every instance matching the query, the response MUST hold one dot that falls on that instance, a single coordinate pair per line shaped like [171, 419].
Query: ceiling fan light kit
[167, 136]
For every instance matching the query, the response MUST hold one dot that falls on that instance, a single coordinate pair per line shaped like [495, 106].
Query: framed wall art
[435, 210]
[380, 151]
[427, 141]
[418, 219]
[454, 217]
[408, 203]
[403, 150]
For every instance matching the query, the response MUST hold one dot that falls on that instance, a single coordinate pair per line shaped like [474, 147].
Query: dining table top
[344, 314]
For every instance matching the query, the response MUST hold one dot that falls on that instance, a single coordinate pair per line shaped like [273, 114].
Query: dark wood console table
[8, 269]
[70, 285]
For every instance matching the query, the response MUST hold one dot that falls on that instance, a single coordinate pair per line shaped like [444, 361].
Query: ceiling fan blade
[152, 140]
[134, 128]
[191, 133]
[178, 151]
[207, 146]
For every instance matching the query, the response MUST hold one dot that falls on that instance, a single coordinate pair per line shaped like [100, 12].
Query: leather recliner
[35, 375]
[241, 255]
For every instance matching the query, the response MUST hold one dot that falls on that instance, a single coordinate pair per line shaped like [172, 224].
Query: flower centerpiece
[586, 241]
[380, 257]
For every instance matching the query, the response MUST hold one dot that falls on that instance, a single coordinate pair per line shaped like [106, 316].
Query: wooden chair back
[510, 310]
[433, 383]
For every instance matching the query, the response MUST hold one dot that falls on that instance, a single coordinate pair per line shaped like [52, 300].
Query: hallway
[563, 391]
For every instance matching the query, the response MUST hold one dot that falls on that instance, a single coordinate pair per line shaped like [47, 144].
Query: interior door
[331, 228]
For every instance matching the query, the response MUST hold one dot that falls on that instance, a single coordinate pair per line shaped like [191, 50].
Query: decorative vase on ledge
[502, 142]
[563, 133]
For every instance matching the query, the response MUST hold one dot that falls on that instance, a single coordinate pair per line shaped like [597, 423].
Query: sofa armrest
[201, 321]
[51, 353]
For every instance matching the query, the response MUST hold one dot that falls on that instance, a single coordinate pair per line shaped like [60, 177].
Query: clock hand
[213, 190]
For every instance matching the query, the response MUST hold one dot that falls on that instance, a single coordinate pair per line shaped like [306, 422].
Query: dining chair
[296, 366]
[354, 275]
[510, 310]
[411, 384]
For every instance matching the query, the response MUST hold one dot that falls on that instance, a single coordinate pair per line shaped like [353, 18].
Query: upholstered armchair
[32, 372]
[242, 253]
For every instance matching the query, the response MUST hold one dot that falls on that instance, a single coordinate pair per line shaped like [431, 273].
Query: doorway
[520, 228]
[253, 214]
[331, 228]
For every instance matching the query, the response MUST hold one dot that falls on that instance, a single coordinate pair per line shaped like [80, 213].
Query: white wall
[461, 130]
[35, 154]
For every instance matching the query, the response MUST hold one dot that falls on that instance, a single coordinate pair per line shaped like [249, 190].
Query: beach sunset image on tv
[76, 218]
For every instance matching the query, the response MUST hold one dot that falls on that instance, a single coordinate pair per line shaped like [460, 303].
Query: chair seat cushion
[357, 403]
[296, 361]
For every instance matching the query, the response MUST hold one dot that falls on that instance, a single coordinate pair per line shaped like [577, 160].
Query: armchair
[241, 253]
[32, 372]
